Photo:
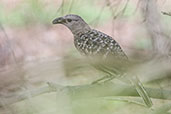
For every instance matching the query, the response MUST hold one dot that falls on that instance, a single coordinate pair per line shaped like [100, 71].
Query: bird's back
[96, 43]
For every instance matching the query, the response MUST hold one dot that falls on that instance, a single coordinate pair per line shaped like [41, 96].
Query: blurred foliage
[30, 12]
[45, 104]
[37, 11]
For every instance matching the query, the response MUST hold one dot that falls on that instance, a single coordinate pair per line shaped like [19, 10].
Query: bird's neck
[78, 32]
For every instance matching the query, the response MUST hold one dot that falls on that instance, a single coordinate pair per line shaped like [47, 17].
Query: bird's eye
[69, 20]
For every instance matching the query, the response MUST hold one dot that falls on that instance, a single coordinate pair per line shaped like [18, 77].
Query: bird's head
[74, 22]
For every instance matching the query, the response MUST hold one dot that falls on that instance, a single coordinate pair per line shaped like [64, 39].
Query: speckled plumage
[94, 43]
[88, 41]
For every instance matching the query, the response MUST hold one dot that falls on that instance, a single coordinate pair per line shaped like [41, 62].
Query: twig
[8, 42]
[160, 42]
[166, 13]
[71, 5]
[91, 91]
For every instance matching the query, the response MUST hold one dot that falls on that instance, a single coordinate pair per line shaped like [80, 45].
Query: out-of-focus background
[32, 49]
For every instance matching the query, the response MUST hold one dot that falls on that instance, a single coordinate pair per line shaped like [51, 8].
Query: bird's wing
[105, 45]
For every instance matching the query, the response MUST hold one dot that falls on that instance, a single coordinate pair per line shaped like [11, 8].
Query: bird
[90, 42]
[102, 49]
[93, 43]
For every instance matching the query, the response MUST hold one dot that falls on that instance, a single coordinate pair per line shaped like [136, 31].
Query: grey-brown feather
[104, 52]
[94, 43]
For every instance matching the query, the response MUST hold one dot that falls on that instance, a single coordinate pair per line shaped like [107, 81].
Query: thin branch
[160, 42]
[91, 91]
[71, 6]
[8, 42]
[166, 13]
[61, 7]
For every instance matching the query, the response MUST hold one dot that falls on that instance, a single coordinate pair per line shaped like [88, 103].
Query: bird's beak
[59, 20]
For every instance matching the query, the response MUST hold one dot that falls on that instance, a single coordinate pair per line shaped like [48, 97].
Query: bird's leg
[110, 78]
[103, 79]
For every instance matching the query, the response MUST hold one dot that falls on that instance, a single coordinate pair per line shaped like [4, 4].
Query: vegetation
[43, 80]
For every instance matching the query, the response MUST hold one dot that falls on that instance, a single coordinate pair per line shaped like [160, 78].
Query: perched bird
[88, 41]
[93, 43]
